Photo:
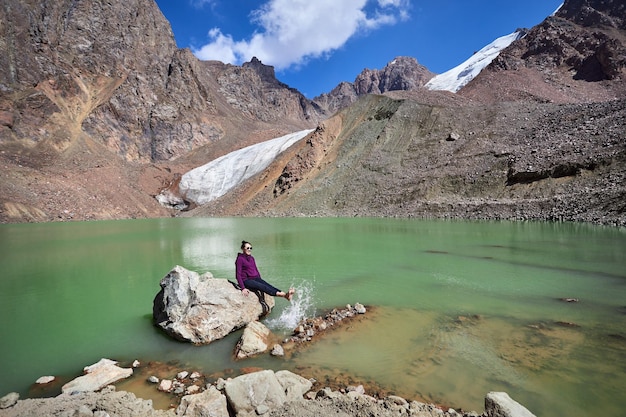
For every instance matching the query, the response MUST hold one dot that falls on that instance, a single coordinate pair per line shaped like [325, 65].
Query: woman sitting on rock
[248, 275]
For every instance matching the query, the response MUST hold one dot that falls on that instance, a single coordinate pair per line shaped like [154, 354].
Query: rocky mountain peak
[576, 55]
[595, 13]
[400, 74]
[266, 72]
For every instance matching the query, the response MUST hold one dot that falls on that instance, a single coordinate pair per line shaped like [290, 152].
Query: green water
[462, 308]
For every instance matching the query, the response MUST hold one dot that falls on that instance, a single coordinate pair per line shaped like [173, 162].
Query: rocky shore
[267, 393]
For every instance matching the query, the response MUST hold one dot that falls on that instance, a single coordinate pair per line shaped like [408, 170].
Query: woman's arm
[239, 272]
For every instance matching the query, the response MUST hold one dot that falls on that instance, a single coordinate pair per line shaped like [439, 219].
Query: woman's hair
[243, 243]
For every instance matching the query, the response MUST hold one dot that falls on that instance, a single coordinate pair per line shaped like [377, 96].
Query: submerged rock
[201, 309]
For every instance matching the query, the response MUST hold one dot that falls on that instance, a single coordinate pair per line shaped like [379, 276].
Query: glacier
[214, 179]
[456, 78]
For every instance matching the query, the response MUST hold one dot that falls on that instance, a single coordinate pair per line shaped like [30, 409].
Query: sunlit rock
[499, 404]
[201, 309]
[262, 391]
[254, 340]
[9, 400]
[208, 403]
[97, 376]
[44, 379]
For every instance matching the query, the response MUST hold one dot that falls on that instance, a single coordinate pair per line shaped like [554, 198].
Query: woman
[248, 275]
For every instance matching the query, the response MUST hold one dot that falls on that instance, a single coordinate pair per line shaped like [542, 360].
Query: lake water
[458, 308]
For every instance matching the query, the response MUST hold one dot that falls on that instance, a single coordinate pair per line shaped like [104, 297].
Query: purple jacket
[245, 268]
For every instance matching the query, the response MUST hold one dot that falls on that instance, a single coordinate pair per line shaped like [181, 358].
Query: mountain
[100, 113]
[577, 55]
[112, 72]
[490, 153]
[399, 157]
[96, 97]
[401, 74]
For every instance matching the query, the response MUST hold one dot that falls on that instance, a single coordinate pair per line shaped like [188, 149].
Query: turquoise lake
[458, 308]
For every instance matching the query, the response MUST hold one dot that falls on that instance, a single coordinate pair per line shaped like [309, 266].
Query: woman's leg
[259, 284]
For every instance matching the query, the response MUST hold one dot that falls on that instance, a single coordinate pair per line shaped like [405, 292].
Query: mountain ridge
[93, 127]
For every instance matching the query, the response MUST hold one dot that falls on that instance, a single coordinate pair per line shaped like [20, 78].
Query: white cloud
[199, 4]
[292, 31]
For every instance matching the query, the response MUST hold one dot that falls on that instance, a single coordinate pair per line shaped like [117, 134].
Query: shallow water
[461, 308]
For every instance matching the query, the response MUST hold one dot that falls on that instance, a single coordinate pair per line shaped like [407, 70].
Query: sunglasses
[248, 248]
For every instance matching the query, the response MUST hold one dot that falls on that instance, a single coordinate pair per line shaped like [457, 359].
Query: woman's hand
[245, 292]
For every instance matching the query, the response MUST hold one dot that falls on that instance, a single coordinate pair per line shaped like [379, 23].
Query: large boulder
[260, 392]
[200, 309]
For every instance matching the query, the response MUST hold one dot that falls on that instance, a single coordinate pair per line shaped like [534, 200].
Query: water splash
[302, 305]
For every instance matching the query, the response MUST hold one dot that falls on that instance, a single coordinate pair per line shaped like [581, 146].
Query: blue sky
[316, 44]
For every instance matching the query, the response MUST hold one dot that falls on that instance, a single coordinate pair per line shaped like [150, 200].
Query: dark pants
[259, 284]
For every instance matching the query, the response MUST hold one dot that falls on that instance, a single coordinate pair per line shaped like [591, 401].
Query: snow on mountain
[219, 176]
[454, 79]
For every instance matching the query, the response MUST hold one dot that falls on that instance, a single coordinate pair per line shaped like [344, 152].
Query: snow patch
[456, 78]
[213, 180]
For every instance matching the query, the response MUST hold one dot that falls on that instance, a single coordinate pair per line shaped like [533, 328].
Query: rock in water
[499, 404]
[200, 309]
[98, 376]
[253, 341]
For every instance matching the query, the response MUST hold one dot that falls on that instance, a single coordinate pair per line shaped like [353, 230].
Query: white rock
[9, 400]
[360, 308]
[165, 385]
[192, 389]
[45, 380]
[499, 404]
[358, 389]
[98, 376]
[102, 362]
[277, 350]
[293, 385]
[182, 375]
[246, 392]
[253, 341]
[208, 403]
